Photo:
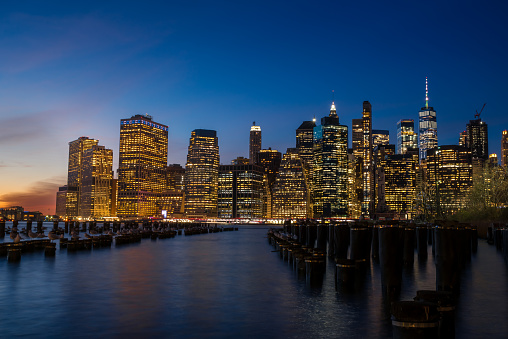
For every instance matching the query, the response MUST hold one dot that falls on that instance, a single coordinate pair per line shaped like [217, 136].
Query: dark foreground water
[221, 285]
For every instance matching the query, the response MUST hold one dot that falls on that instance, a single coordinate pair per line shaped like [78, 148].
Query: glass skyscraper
[254, 143]
[330, 168]
[427, 134]
[202, 174]
[142, 167]
[406, 136]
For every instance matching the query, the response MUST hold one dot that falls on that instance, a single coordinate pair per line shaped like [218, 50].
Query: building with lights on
[97, 174]
[380, 137]
[330, 168]
[142, 167]
[463, 139]
[380, 155]
[254, 142]
[504, 148]
[269, 160]
[477, 139]
[400, 175]
[202, 174]
[240, 193]
[406, 136]
[450, 175]
[289, 193]
[304, 146]
[427, 134]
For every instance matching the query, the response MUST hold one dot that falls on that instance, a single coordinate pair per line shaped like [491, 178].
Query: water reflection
[222, 285]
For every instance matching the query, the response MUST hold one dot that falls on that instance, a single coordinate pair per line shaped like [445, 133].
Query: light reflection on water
[222, 285]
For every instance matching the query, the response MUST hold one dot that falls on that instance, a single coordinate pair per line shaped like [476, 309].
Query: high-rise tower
[77, 149]
[368, 177]
[330, 169]
[406, 136]
[380, 137]
[202, 174]
[142, 166]
[427, 135]
[254, 143]
[477, 139]
[504, 148]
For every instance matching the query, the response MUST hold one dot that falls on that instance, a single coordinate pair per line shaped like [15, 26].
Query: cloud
[40, 197]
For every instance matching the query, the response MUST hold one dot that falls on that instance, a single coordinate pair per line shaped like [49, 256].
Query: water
[221, 285]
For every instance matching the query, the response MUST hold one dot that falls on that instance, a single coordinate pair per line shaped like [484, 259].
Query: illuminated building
[380, 137]
[406, 136]
[504, 148]
[175, 178]
[254, 142]
[357, 129]
[330, 168]
[463, 139]
[400, 174]
[493, 159]
[355, 190]
[427, 135]
[269, 160]
[170, 204]
[61, 200]
[95, 191]
[380, 154]
[77, 149]
[367, 175]
[477, 139]
[304, 146]
[240, 192]
[450, 173]
[240, 161]
[289, 193]
[202, 174]
[142, 166]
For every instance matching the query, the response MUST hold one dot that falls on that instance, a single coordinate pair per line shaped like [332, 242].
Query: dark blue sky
[68, 70]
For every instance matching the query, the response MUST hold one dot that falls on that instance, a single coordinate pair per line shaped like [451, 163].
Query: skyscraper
[77, 149]
[95, 192]
[142, 166]
[240, 192]
[330, 168]
[406, 136]
[254, 142]
[504, 148]
[290, 194]
[368, 177]
[463, 139]
[357, 129]
[450, 174]
[269, 160]
[427, 135]
[304, 146]
[477, 139]
[202, 174]
[380, 137]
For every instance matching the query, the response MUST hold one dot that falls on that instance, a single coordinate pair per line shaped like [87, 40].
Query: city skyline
[76, 71]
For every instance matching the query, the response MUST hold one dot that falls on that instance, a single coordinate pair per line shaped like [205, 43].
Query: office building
[478, 139]
[202, 175]
[330, 168]
[450, 174]
[427, 134]
[95, 191]
[240, 193]
[254, 142]
[380, 137]
[269, 160]
[175, 177]
[143, 159]
[406, 136]
[504, 148]
[77, 149]
[289, 193]
[463, 139]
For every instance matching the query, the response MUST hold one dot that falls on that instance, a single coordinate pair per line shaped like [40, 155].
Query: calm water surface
[221, 285]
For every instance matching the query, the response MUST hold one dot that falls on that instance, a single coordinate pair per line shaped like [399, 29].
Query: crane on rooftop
[477, 115]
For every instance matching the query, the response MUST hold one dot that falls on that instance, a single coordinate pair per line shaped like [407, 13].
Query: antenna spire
[426, 93]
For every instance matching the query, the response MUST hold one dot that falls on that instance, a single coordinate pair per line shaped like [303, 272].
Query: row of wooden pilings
[125, 233]
[392, 245]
